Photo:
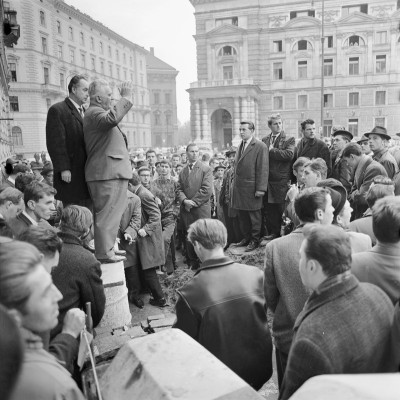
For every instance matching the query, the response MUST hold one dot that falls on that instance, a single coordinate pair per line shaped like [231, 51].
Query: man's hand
[189, 204]
[158, 201]
[258, 193]
[74, 322]
[142, 232]
[128, 238]
[125, 90]
[66, 175]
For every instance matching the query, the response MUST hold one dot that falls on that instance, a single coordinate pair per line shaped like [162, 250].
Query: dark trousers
[232, 226]
[132, 276]
[273, 217]
[281, 362]
[250, 224]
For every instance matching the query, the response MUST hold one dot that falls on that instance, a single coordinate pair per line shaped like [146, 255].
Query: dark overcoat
[66, 147]
[250, 175]
[280, 167]
[151, 247]
[341, 171]
[195, 185]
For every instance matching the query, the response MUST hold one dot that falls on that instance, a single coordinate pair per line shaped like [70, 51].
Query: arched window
[355, 40]
[227, 51]
[16, 136]
[302, 45]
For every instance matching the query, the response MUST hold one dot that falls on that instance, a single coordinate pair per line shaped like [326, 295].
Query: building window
[227, 51]
[381, 37]
[131, 74]
[227, 71]
[46, 75]
[101, 47]
[83, 60]
[93, 63]
[117, 54]
[278, 102]
[62, 80]
[328, 43]
[141, 79]
[48, 103]
[353, 126]
[380, 97]
[327, 127]
[278, 71]
[143, 115]
[302, 69]
[381, 121]
[346, 10]
[354, 40]
[328, 67]
[354, 66]
[226, 21]
[81, 39]
[157, 119]
[16, 136]
[44, 45]
[380, 64]
[303, 13]
[156, 98]
[72, 56]
[167, 98]
[354, 99]
[141, 64]
[70, 33]
[118, 73]
[302, 100]
[124, 58]
[13, 69]
[110, 70]
[42, 18]
[59, 27]
[277, 46]
[102, 67]
[168, 119]
[144, 138]
[328, 100]
[302, 45]
[109, 51]
[125, 76]
[91, 43]
[130, 61]
[60, 52]
[14, 103]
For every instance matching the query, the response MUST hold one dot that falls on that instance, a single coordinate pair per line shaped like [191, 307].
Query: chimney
[152, 51]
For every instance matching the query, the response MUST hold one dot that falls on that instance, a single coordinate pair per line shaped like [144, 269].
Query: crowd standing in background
[327, 215]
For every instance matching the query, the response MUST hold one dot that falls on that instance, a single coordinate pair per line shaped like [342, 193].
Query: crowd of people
[327, 213]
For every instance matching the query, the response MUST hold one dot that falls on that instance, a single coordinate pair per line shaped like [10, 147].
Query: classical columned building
[255, 58]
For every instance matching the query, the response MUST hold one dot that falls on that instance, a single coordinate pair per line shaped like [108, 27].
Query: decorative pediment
[357, 17]
[301, 22]
[227, 29]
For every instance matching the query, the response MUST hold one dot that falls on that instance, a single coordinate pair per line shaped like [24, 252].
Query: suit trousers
[232, 226]
[132, 276]
[250, 224]
[109, 203]
[168, 233]
[273, 217]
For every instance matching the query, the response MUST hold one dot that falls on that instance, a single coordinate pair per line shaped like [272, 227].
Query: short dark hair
[352, 148]
[308, 201]
[23, 180]
[205, 157]
[10, 194]
[43, 238]
[249, 123]
[175, 155]
[330, 246]
[150, 151]
[20, 169]
[318, 165]
[190, 145]
[210, 233]
[308, 121]
[165, 161]
[300, 162]
[378, 191]
[386, 219]
[37, 190]
[75, 82]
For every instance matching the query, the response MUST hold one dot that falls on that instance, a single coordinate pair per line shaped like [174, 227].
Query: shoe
[251, 246]
[242, 243]
[270, 237]
[158, 303]
[113, 259]
[137, 301]
[120, 252]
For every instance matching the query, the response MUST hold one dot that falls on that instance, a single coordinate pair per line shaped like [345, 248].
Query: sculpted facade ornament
[330, 15]
[277, 20]
[382, 11]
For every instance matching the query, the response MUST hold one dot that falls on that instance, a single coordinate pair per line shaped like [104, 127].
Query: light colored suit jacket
[107, 153]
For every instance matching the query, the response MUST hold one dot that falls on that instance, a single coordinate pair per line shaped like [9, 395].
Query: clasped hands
[189, 204]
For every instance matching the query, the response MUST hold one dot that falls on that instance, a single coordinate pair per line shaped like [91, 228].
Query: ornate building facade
[58, 41]
[255, 58]
[161, 80]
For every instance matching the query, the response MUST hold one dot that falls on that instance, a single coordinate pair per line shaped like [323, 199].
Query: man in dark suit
[345, 325]
[108, 168]
[65, 144]
[281, 150]
[341, 171]
[195, 187]
[311, 147]
[250, 182]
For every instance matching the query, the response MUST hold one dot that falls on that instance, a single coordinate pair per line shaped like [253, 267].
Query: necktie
[243, 147]
[81, 112]
[273, 139]
[190, 167]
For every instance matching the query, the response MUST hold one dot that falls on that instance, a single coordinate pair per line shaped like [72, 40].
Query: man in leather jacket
[223, 307]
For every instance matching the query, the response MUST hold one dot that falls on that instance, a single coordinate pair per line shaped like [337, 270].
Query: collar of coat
[70, 238]
[73, 109]
[215, 262]
[331, 289]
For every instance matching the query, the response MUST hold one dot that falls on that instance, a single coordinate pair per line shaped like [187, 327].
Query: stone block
[162, 323]
[171, 365]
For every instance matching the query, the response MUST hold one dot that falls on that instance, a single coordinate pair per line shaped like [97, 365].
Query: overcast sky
[166, 25]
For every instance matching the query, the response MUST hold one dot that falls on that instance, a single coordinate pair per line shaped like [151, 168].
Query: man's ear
[16, 315]
[319, 214]
[31, 205]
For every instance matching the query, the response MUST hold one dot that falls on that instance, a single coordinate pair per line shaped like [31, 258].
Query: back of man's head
[76, 220]
[308, 201]
[318, 165]
[23, 180]
[37, 190]
[330, 246]
[352, 148]
[10, 194]
[210, 233]
[386, 219]
[382, 186]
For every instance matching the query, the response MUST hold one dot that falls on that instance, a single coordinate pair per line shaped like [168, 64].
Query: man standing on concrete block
[108, 168]
[229, 320]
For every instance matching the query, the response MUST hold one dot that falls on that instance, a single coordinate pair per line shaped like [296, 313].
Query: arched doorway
[221, 129]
